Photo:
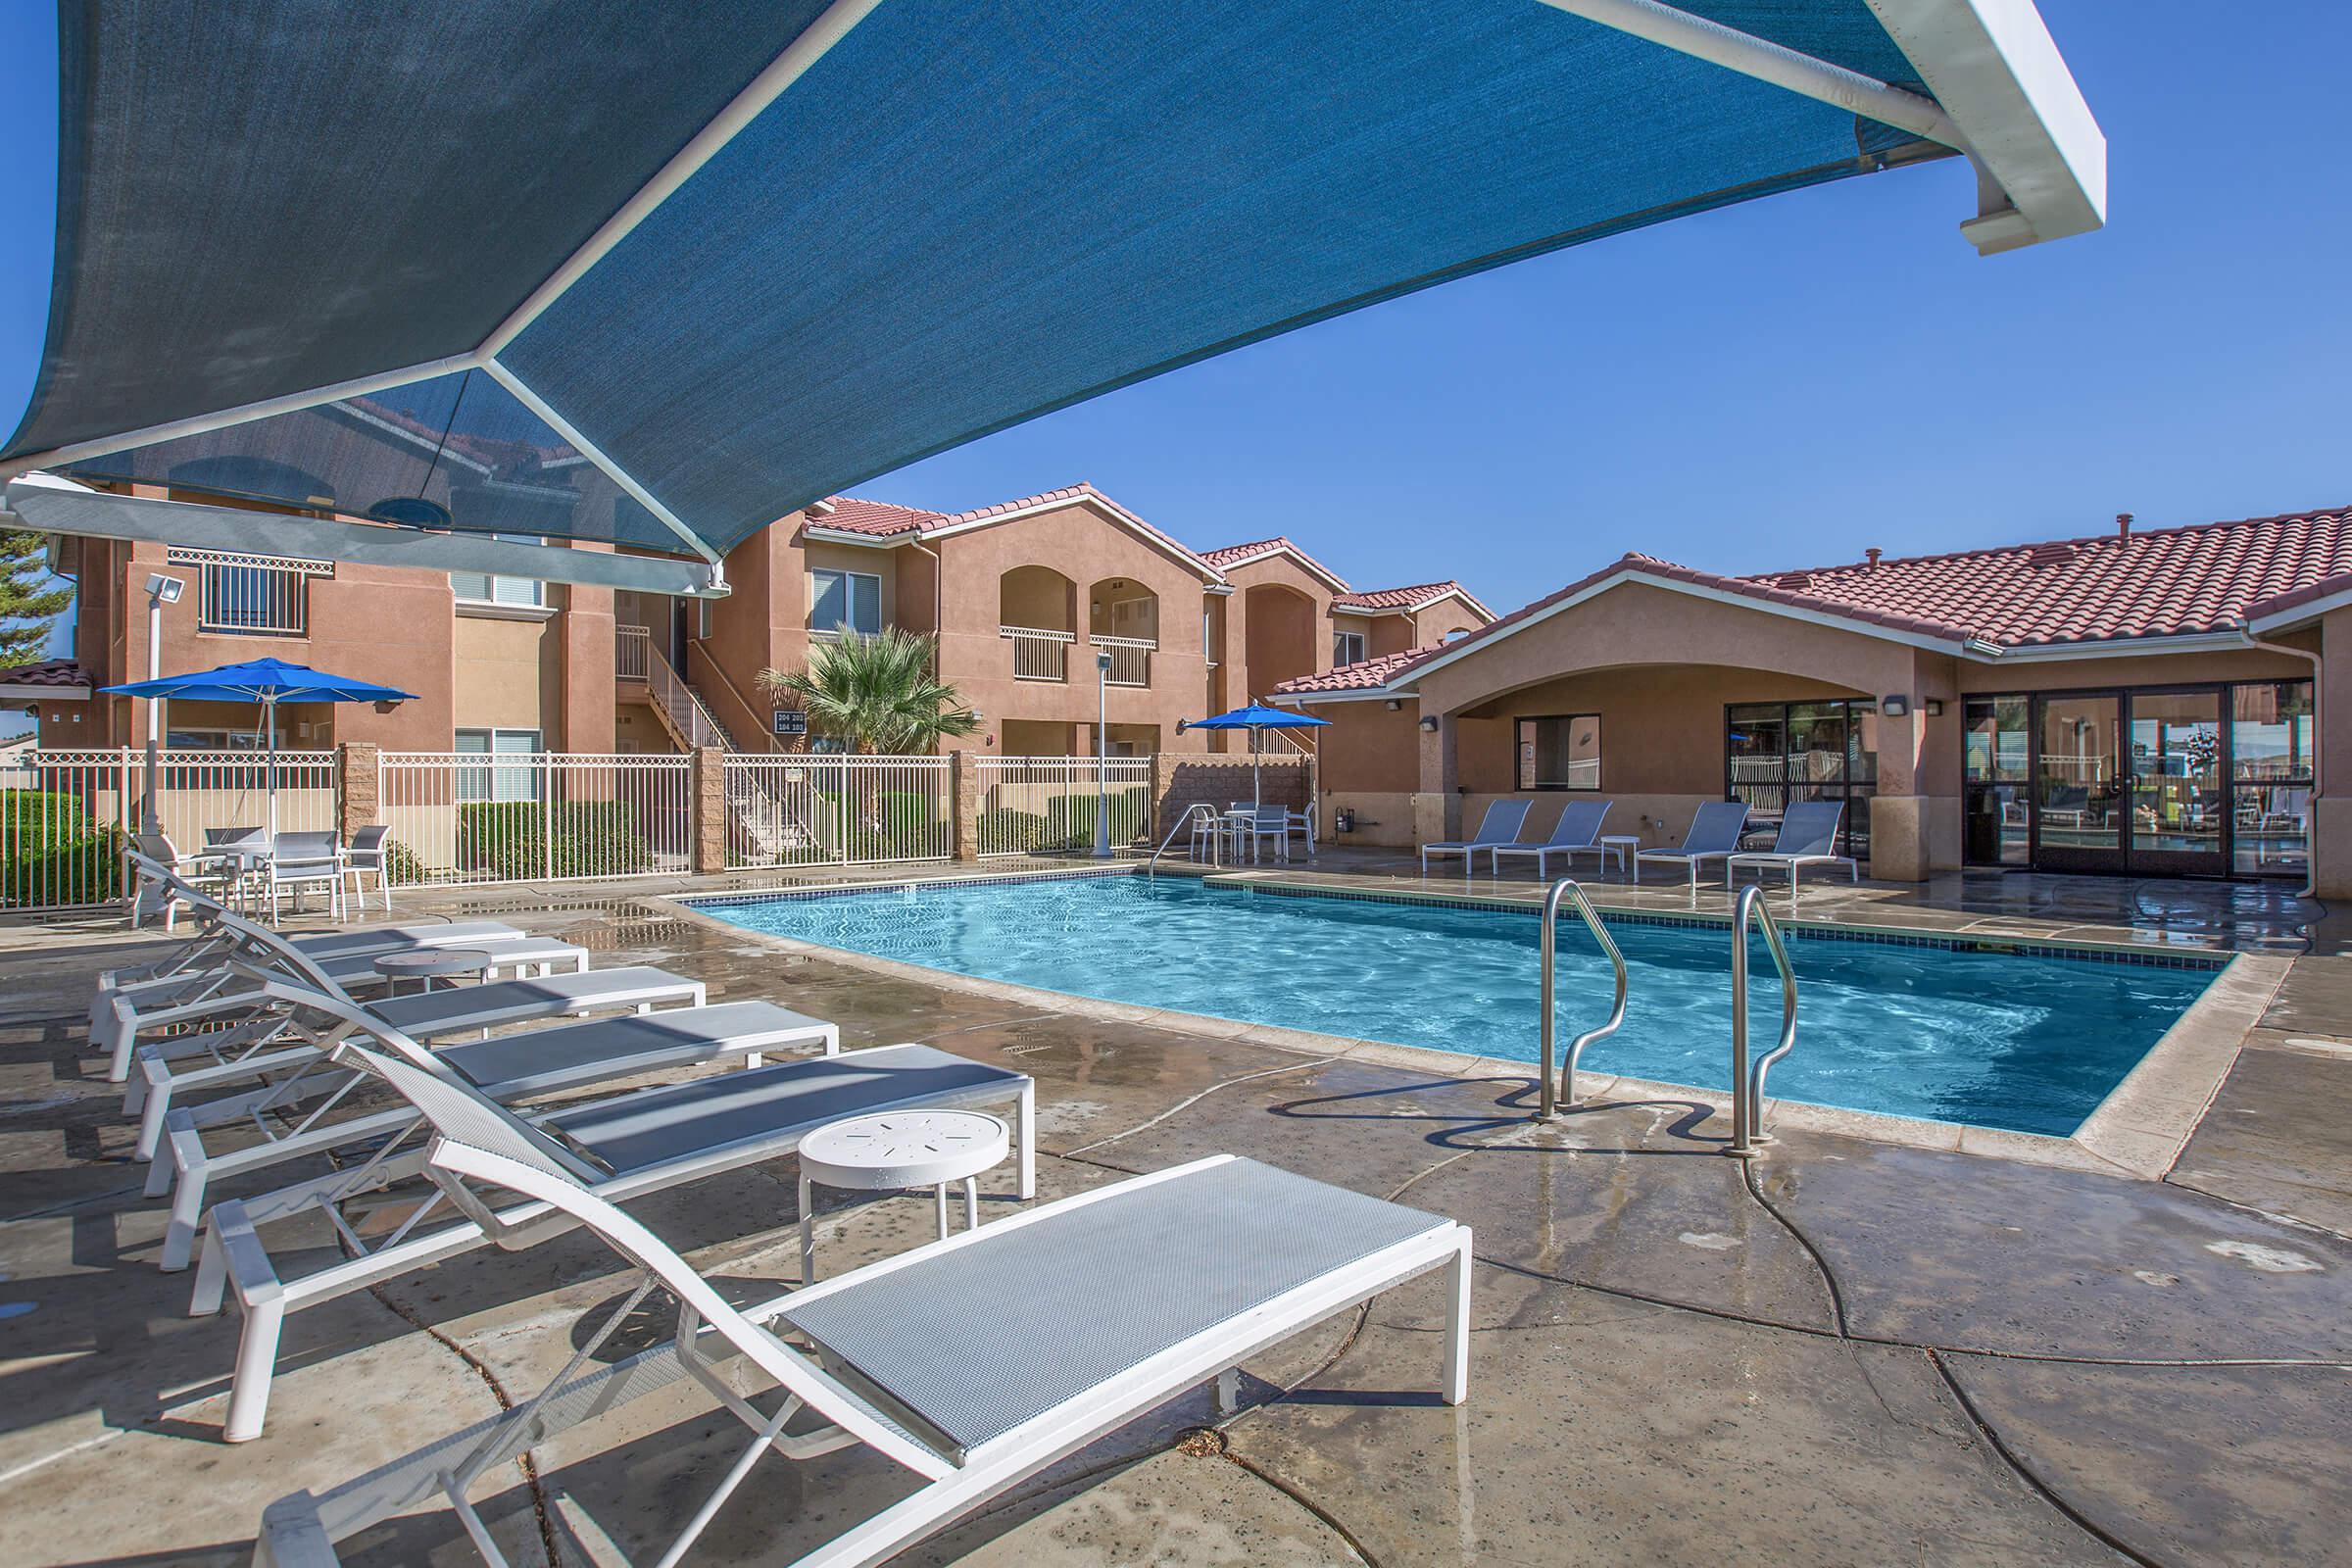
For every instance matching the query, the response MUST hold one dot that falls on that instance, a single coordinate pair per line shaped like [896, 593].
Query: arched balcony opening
[1037, 612]
[1123, 617]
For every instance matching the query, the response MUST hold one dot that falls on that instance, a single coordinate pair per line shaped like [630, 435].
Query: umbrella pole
[270, 721]
[1258, 763]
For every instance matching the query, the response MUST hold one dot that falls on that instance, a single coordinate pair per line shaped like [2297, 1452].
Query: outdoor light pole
[160, 591]
[1102, 754]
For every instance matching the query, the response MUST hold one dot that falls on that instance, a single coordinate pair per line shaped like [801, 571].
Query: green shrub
[510, 840]
[52, 851]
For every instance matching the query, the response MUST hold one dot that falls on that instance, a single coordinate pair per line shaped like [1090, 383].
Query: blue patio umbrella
[1257, 720]
[267, 681]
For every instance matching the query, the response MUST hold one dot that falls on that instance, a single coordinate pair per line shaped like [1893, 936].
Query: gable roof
[1364, 675]
[1231, 555]
[2096, 591]
[1407, 600]
[883, 519]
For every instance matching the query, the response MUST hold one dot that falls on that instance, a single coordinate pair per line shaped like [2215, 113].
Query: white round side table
[899, 1150]
[425, 965]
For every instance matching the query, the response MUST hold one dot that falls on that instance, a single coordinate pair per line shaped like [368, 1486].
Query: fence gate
[1048, 802]
[839, 811]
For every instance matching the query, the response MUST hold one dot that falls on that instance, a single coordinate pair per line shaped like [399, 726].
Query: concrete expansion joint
[1300, 1065]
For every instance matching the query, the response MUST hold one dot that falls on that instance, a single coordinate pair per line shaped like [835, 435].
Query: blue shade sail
[963, 214]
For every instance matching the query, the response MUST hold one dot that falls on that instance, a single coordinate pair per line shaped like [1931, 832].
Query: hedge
[52, 851]
[591, 838]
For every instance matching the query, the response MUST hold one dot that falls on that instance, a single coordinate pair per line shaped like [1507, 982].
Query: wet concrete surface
[1660, 1371]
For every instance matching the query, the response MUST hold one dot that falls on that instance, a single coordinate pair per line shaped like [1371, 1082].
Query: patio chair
[1808, 837]
[1501, 825]
[1138, 1309]
[644, 1139]
[299, 860]
[1714, 836]
[363, 856]
[153, 897]
[1267, 824]
[1577, 831]
[527, 1065]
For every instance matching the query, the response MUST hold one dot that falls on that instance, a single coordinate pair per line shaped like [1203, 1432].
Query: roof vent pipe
[1873, 552]
[2123, 525]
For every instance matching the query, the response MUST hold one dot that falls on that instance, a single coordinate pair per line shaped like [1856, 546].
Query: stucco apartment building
[1024, 595]
[2135, 701]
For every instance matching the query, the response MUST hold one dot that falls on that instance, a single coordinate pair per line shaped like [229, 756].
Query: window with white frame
[514, 782]
[483, 588]
[845, 601]
[1346, 647]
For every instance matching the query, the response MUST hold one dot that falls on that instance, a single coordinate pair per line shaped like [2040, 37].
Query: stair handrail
[1552, 1096]
[1747, 1079]
[1216, 845]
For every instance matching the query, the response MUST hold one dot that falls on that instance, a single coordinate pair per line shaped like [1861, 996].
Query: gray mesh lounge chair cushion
[1809, 829]
[1152, 1268]
[513, 1001]
[653, 1126]
[395, 938]
[569, 1056]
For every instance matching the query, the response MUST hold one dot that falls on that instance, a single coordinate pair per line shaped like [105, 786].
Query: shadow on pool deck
[1851, 1353]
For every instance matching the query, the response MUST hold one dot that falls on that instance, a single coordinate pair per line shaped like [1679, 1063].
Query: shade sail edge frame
[45, 503]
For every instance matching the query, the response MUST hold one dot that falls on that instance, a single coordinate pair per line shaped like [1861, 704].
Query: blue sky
[1781, 384]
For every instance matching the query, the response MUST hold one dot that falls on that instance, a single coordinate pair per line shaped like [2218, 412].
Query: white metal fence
[466, 816]
[630, 646]
[1048, 802]
[843, 811]
[67, 816]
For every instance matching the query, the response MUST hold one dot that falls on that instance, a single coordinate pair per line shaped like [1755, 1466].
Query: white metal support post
[1102, 754]
[160, 591]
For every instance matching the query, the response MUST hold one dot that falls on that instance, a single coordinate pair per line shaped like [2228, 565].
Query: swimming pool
[2030, 1042]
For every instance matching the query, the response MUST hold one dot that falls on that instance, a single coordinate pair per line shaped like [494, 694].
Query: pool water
[2006, 1039]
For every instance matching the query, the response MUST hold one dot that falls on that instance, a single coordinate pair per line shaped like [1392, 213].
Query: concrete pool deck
[1853, 1351]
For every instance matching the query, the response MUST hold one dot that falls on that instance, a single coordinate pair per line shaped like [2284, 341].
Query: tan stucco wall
[508, 676]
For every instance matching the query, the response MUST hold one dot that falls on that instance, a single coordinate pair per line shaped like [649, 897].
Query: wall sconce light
[1933, 707]
[1429, 724]
[1396, 705]
[1894, 706]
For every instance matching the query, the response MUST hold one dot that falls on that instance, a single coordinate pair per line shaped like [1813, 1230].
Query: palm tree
[876, 694]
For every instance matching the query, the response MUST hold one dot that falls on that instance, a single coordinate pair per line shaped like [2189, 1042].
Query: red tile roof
[1412, 598]
[1279, 544]
[2164, 582]
[880, 518]
[1378, 670]
[61, 673]
[2160, 583]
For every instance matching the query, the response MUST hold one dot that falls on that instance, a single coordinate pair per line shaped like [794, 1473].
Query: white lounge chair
[527, 1065]
[270, 1053]
[1133, 1309]
[1714, 836]
[1500, 826]
[1577, 831]
[120, 1011]
[152, 895]
[643, 1141]
[1808, 837]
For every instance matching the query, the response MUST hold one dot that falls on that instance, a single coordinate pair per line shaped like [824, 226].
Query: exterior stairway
[756, 820]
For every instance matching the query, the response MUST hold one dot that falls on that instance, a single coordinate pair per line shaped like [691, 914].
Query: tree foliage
[30, 600]
[875, 694]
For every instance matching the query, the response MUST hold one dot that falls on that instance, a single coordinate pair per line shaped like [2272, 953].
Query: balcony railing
[630, 647]
[1129, 659]
[1039, 653]
[252, 596]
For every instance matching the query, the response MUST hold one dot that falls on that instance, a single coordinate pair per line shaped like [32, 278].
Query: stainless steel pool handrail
[1216, 842]
[1747, 1082]
[1552, 1096]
